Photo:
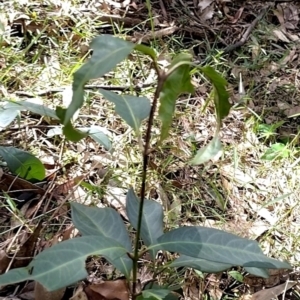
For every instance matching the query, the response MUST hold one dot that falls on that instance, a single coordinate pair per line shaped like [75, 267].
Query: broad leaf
[108, 51]
[152, 219]
[38, 108]
[8, 112]
[216, 245]
[208, 152]
[99, 221]
[221, 95]
[64, 263]
[258, 272]
[98, 135]
[23, 164]
[133, 110]
[203, 265]
[154, 294]
[105, 222]
[69, 131]
[178, 82]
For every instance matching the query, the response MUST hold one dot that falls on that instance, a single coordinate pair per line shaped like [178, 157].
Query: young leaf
[106, 222]
[208, 152]
[203, 265]
[69, 131]
[98, 135]
[221, 95]
[152, 219]
[108, 51]
[64, 263]
[23, 164]
[178, 82]
[146, 50]
[216, 245]
[133, 110]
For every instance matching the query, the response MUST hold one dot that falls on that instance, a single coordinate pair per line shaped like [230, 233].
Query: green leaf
[98, 135]
[208, 152]
[236, 275]
[221, 95]
[152, 219]
[10, 110]
[258, 272]
[203, 265]
[216, 245]
[69, 131]
[64, 264]
[155, 294]
[133, 110]
[38, 109]
[105, 222]
[23, 164]
[178, 82]
[108, 51]
[146, 50]
[276, 150]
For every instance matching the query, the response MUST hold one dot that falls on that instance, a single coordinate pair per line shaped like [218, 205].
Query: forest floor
[252, 189]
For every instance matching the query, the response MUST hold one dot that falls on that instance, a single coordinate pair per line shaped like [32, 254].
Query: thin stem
[161, 78]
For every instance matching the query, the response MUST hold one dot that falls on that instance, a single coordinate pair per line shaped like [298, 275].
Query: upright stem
[161, 79]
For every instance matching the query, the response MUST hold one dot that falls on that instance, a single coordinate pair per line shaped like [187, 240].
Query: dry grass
[239, 192]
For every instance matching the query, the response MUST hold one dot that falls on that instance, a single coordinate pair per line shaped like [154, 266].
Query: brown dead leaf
[4, 261]
[293, 112]
[213, 286]
[10, 183]
[281, 35]
[80, 294]
[291, 16]
[203, 4]
[41, 293]
[237, 15]
[24, 254]
[276, 275]
[91, 295]
[112, 290]
[65, 188]
[273, 292]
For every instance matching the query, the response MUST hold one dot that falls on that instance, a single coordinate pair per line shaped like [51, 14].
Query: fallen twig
[245, 36]
[52, 91]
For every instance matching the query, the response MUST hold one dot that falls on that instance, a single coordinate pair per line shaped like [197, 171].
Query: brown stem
[161, 79]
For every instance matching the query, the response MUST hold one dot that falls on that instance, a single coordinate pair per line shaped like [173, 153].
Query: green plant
[103, 231]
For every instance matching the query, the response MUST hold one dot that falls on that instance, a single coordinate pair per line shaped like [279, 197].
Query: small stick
[245, 36]
[87, 87]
